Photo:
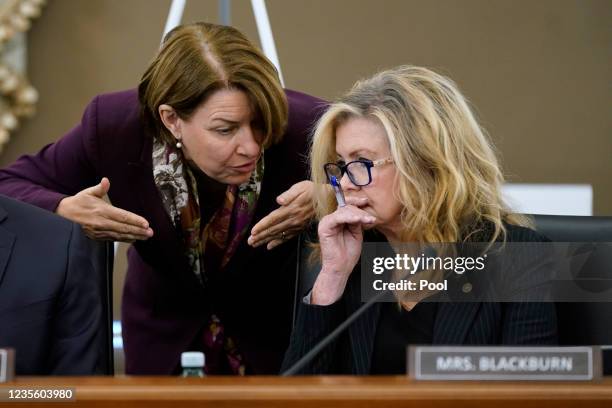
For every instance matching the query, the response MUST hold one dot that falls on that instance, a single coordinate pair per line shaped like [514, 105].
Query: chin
[370, 211]
[237, 179]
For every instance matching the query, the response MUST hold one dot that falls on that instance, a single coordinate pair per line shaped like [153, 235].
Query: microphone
[308, 357]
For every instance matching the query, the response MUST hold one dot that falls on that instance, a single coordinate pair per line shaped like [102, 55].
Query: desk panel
[323, 391]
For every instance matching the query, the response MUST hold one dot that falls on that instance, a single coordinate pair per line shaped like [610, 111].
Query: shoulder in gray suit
[50, 306]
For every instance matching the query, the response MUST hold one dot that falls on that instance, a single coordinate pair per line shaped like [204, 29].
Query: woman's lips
[245, 168]
[359, 202]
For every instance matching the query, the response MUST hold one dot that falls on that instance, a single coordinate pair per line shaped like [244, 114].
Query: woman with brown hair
[191, 161]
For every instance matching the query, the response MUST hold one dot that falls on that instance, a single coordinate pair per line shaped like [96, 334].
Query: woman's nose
[247, 143]
[346, 183]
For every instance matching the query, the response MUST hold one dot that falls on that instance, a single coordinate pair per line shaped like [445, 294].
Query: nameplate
[7, 364]
[504, 363]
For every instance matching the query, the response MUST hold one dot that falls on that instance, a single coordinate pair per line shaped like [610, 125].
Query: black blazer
[50, 305]
[476, 323]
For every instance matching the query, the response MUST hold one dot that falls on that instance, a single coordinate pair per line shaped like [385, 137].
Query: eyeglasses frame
[368, 163]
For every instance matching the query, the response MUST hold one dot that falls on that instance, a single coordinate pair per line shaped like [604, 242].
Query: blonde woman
[415, 166]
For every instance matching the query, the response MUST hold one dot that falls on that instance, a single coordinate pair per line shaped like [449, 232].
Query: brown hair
[200, 58]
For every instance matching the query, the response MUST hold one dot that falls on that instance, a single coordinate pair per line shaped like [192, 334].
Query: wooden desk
[353, 392]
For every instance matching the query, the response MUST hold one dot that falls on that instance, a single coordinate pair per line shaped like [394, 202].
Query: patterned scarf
[212, 246]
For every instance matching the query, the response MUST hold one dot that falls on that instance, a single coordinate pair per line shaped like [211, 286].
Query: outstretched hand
[101, 220]
[288, 220]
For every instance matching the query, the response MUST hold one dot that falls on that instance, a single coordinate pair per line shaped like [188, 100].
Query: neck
[393, 232]
[211, 194]
[206, 184]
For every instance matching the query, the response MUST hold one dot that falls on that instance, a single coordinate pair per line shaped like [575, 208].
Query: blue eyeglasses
[359, 171]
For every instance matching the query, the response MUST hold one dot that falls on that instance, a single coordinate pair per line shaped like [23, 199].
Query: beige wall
[537, 71]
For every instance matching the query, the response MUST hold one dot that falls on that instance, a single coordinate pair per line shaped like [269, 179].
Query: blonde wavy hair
[448, 176]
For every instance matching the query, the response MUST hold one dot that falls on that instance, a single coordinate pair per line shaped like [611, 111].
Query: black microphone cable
[306, 358]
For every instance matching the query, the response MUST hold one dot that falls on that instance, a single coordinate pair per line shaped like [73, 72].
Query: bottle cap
[192, 359]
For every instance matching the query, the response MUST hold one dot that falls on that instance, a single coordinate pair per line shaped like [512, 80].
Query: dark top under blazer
[456, 323]
[50, 305]
[164, 306]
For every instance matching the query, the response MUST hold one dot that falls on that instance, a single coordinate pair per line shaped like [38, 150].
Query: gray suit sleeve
[75, 344]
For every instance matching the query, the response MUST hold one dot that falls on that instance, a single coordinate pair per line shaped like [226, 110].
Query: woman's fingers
[127, 230]
[296, 199]
[283, 231]
[269, 221]
[270, 229]
[117, 224]
[298, 211]
[274, 243]
[286, 221]
[345, 215]
[110, 236]
[137, 224]
[102, 220]
[295, 191]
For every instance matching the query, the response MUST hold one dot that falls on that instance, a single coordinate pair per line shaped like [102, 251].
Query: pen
[338, 191]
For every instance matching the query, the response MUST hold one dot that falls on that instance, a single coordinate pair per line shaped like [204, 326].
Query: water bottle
[192, 363]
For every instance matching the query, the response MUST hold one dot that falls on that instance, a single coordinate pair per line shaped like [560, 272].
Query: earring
[179, 145]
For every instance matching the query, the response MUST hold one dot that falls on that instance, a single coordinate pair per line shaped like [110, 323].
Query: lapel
[7, 240]
[451, 326]
[144, 199]
[453, 320]
[140, 176]
[363, 331]
[140, 173]
[362, 334]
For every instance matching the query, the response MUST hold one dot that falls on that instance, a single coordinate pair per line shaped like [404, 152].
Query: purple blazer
[163, 306]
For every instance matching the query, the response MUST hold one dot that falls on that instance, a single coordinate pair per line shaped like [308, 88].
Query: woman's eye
[225, 131]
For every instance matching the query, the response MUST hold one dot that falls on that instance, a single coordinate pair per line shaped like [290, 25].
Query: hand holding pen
[340, 239]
